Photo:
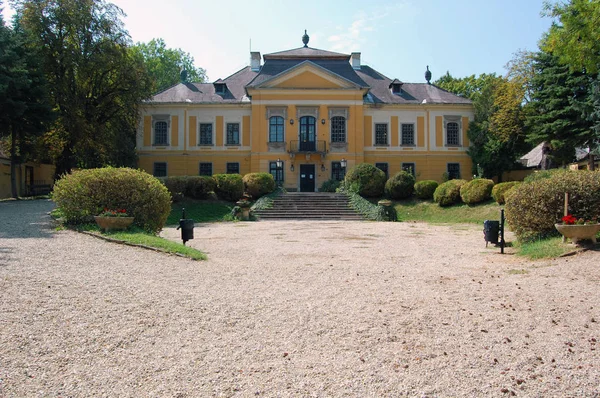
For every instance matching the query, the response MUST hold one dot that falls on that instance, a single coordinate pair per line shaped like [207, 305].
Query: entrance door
[307, 178]
[308, 135]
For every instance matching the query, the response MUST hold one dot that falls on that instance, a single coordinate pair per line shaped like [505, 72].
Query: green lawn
[200, 211]
[429, 211]
[544, 248]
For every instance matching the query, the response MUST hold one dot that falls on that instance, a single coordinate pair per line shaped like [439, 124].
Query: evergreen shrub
[85, 193]
[258, 184]
[229, 186]
[533, 208]
[476, 191]
[400, 186]
[499, 191]
[330, 186]
[199, 187]
[366, 180]
[425, 189]
[448, 193]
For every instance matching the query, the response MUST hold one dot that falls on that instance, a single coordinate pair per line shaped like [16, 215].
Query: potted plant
[578, 229]
[245, 203]
[113, 219]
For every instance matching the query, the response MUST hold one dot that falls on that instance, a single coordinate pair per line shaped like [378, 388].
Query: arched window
[160, 133]
[452, 133]
[276, 129]
[338, 129]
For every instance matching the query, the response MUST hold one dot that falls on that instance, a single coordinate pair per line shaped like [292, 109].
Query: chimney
[255, 61]
[355, 60]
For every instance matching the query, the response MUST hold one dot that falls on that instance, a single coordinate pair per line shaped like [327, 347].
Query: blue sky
[398, 38]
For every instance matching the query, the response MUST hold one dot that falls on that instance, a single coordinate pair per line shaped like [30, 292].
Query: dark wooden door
[307, 178]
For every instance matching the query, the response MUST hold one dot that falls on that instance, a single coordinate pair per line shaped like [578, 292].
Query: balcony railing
[308, 147]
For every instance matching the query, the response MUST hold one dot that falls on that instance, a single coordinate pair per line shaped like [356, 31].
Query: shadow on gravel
[26, 219]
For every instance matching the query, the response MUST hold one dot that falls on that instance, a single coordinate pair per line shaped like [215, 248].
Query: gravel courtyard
[307, 309]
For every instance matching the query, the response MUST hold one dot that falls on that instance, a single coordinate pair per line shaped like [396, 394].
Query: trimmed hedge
[448, 193]
[425, 189]
[499, 191]
[400, 186]
[199, 187]
[85, 193]
[476, 191]
[229, 186]
[330, 186]
[258, 184]
[366, 180]
[533, 208]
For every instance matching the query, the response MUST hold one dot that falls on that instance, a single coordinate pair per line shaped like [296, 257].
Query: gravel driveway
[292, 309]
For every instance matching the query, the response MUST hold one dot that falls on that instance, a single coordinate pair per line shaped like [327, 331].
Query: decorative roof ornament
[305, 38]
[183, 75]
[428, 75]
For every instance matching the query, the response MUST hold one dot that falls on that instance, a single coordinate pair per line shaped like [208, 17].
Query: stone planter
[113, 223]
[245, 208]
[386, 211]
[578, 232]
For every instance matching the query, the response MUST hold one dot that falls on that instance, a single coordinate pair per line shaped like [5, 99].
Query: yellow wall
[42, 174]
[307, 80]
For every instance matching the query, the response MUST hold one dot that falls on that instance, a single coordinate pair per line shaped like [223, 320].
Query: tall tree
[97, 84]
[165, 64]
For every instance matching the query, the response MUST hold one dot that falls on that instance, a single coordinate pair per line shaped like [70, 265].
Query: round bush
[258, 184]
[533, 208]
[85, 193]
[366, 180]
[199, 187]
[400, 186]
[175, 185]
[476, 191]
[499, 191]
[448, 193]
[229, 186]
[330, 186]
[425, 189]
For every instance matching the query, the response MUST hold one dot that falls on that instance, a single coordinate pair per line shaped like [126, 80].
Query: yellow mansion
[314, 111]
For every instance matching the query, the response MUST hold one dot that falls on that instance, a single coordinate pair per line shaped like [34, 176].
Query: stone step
[310, 206]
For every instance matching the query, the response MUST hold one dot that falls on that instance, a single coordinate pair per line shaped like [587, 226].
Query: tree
[165, 64]
[97, 84]
[23, 99]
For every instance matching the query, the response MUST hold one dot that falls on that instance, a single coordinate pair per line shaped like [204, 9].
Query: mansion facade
[300, 116]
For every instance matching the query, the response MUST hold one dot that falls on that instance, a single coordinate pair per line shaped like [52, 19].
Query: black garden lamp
[279, 165]
[343, 163]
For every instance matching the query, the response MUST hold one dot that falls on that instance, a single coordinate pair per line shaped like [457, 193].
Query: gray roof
[306, 53]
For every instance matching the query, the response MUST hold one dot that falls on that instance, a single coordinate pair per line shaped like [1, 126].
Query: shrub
[199, 187]
[533, 208]
[229, 186]
[448, 193]
[476, 191]
[85, 193]
[175, 185]
[425, 189]
[330, 186]
[400, 186]
[366, 179]
[499, 191]
[258, 184]
[543, 174]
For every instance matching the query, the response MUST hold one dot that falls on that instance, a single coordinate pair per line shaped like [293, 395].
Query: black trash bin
[491, 229]
[187, 229]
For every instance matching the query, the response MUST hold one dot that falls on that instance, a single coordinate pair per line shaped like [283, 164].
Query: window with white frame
[453, 170]
[233, 168]
[410, 168]
[381, 134]
[206, 134]
[407, 134]
[205, 169]
[338, 129]
[276, 129]
[233, 134]
[276, 172]
[159, 169]
[452, 126]
[383, 167]
[161, 132]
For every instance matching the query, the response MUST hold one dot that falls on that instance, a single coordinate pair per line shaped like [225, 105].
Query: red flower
[569, 219]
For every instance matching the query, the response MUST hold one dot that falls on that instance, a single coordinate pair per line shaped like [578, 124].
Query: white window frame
[414, 135]
[457, 120]
[375, 134]
[225, 123]
[198, 143]
[158, 119]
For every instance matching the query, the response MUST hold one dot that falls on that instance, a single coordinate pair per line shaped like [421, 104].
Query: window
[453, 171]
[233, 168]
[206, 136]
[160, 169]
[410, 167]
[161, 129]
[452, 136]
[383, 167]
[338, 129]
[276, 129]
[205, 169]
[276, 173]
[233, 134]
[408, 134]
[381, 134]
[337, 172]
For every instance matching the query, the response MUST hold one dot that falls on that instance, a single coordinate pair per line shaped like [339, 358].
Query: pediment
[308, 75]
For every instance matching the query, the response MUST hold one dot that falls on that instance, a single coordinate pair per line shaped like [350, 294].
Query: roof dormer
[220, 86]
[396, 86]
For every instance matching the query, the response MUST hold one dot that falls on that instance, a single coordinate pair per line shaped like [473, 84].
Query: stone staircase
[309, 206]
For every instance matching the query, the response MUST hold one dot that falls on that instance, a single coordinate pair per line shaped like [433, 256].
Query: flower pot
[578, 232]
[113, 223]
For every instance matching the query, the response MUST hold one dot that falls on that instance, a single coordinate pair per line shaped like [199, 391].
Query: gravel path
[292, 309]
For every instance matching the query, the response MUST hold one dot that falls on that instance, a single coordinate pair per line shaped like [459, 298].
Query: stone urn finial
[305, 38]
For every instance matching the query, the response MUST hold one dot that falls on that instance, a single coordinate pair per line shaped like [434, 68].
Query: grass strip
[546, 248]
[199, 211]
[428, 211]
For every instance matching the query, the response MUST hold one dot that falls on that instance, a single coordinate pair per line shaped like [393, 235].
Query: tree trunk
[591, 162]
[13, 164]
